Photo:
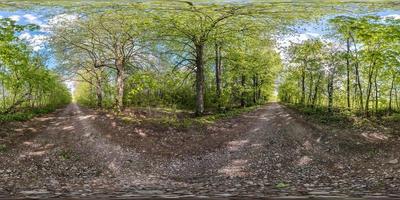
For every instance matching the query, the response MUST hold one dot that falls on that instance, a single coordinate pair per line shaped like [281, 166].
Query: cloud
[394, 16]
[32, 19]
[35, 41]
[59, 20]
[63, 18]
[296, 38]
[15, 17]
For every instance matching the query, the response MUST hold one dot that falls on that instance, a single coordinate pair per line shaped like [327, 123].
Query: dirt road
[269, 152]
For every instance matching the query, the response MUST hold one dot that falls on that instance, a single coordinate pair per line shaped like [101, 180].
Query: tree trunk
[199, 79]
[369, 89]
[255, 88]
[330, 93]
[311, 86]
[314, 99]
[358, 75]
[303, 86]
[391, 93]
[242, 99]
[3, 93]
[397, 99]
[218, 66]
[99, 94]
[120, 84]
[376, 92]
[348, 73]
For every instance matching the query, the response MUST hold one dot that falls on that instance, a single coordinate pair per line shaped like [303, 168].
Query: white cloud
[59, 20]
[35, 41]
[15, 17]
[395, 16]
[63, 18]
[296, 38]
[32, 19]
[25, 36]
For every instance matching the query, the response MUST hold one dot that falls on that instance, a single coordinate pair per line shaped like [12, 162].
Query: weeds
[24, 116]
[3, 148]
[282, 185]
[65, 155]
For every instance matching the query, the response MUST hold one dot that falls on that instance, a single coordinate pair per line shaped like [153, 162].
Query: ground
[272, 151]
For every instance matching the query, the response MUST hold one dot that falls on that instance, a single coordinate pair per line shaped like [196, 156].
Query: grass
[188, 121]
[65, 155]
[344, 118]
[392, 118]
[322, 115]
[3, 148]
[282, 185]
[24, 116]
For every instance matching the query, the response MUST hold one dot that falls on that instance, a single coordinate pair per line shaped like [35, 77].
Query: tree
[111, 39]
[25, 80]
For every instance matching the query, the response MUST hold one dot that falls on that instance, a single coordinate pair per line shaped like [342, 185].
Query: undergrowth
[24, 116]
[189, 120]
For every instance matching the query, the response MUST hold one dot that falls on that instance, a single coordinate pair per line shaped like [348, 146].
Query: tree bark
[314, 99]
[376, 91]
[330, 93]
[391, 92]
[218, 66]
[3, 93]
[311, 86]
[243, 95]
[369, 89]
[357, 71]
[120, 84]
[303, 86]
[199, 79]
[99, 94]
[397, 99]
[255, 88]
[348, 73]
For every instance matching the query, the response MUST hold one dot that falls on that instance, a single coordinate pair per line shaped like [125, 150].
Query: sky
[46, 18]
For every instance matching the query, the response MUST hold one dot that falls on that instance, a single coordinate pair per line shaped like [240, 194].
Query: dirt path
[269, 152]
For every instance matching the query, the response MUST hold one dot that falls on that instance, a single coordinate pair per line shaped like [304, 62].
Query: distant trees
[365, 67]
[25, 82]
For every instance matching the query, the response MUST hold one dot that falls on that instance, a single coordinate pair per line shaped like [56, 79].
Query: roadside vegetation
[27, 87]
[349, 77]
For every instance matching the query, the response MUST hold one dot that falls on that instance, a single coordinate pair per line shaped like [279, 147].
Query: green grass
[345, 118]
[24, 116]
[65, 155]
[189, 121]
[3, 148]
[322, 115]
[392, 118]
[282, 185]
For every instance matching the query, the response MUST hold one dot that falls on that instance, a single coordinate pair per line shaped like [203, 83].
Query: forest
[205, 58]
[210, 99]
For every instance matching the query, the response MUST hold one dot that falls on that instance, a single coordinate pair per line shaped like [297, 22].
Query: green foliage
[359, 75]
[65, 155]
[25, 83]
[282, 185]
[3, 148]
